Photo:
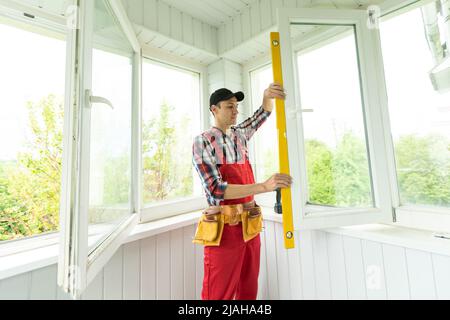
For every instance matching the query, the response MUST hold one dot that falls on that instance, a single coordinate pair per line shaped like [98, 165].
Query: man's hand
[278, 180]
[274, 91]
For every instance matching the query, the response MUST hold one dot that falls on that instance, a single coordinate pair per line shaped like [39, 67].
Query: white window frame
[77, 265]
[436, 219]
[316, 217]
[165, 209]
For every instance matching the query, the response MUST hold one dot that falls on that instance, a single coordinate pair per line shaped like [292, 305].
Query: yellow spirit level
[286, 203]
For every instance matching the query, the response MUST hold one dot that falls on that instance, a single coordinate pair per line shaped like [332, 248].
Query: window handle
[90, 100]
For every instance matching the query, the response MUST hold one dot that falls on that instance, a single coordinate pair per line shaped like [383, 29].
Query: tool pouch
[209, 230]
[252, 222]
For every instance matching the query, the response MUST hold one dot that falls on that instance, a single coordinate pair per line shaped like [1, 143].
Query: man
[230, 227]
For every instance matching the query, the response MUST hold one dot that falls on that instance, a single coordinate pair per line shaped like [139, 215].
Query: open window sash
[305, 35]
[98, 34]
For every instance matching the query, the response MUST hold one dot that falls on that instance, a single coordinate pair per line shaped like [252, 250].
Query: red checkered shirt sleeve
[206, 165]
[248, 127]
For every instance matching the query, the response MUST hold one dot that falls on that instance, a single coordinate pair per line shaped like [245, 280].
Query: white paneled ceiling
[213, 12]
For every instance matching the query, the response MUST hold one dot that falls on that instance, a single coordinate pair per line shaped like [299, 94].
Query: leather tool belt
[210, 225]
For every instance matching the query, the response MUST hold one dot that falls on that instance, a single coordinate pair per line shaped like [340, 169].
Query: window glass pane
[110, 142]
[171, 118]
[420, 116]
[32, 66]
[266, 141]
[337, 163]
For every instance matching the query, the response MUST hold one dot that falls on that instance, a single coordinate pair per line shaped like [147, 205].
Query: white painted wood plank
[336, 260]
[188, 29]
[148, 268]
[420, 274]
[441, 266]
[307, 265]
[295, 269]
[199, 270]
[271, 256]
[246, 24]
[237, 30]
[207, 36]
[136, 11]
[221, 36]
[275, 4]
[163, 18]
[163, 266]
[95, 289]
[396, 272]
[151, 14]
[131, 271]
[198, 34]
[112, 277]
[266, 14]
[16, 288]
[229, 36]
[189, 263]
[374, 270]
[284, 287]
[43, 283]
[176, 24]
[356, 278]
[176, 264]
[255, 18]
[322, 274]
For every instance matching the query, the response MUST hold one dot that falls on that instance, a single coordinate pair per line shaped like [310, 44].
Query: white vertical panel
[290, 3]
[374, 270]
[237, 30]
[441, 265]
[95, 289]
[43, 283]
[136, 11]
[207, 37]
[148, 268]
[246, 24]
[112, 277]
[229, 36]
[163, 266]
[176, 264]
[61, 295]
[151, 14]
[255, 18]
[131, 271]
[163, 18]
[262, 279]
[322, 275]
[421, 274]
[271, 256]
[176, 24]
[307, 264]
[295, 269]
[284, 287]
[336, 258]
[266, 14]
[188, 29]
[199, 270]
[198, 34]
[356, 277]
[275, 4]
[189, 262]
[16, 288]
[396, 272]
[221, 35]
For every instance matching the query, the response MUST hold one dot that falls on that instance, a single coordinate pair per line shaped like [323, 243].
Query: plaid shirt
[213, 148]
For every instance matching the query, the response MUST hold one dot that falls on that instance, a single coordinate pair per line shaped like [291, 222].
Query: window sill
[416, 239]
[37, 258]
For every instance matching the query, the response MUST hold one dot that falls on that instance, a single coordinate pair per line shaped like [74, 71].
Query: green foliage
[166, 161]
[30, 188]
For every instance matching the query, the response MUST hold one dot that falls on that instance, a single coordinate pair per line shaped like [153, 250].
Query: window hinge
[394, 215]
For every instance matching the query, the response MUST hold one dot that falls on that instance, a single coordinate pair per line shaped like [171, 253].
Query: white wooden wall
[330, 266]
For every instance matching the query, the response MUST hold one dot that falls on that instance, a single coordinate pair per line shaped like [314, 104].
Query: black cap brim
[238, 95]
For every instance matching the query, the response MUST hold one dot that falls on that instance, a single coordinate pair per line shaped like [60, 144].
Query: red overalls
[231, 270]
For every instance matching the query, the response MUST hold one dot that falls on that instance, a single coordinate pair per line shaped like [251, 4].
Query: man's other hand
[278, 180]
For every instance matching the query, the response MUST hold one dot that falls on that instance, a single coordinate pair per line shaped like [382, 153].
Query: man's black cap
[224, 94]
